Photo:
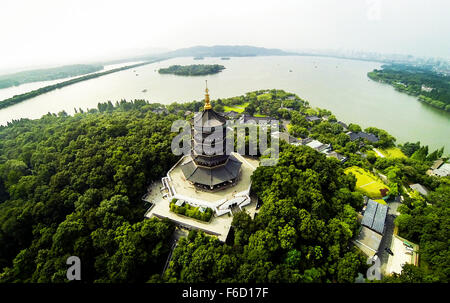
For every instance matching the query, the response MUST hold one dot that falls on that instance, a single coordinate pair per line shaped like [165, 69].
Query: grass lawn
[259, 115]
[237, 108]
[381, 201]
[392, 152]
[366, 182]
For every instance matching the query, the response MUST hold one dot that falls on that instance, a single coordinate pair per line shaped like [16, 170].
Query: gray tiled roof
[420, 188]
[231, 114]
[342, 124]
[209, 118]
[214, 175]
[380, 218]
[369, 214]
[362, 135]
[312, 118]
[255, 120]
[375, 216]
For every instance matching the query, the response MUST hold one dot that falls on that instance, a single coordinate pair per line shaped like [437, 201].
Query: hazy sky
[58, 31]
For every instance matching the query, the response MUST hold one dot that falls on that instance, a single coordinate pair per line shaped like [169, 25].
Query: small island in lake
[198, 58]
[192, 70]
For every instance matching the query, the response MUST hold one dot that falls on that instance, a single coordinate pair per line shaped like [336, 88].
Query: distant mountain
[227, 51]
[142, 54]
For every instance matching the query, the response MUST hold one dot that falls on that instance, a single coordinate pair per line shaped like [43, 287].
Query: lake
[339, 85]
[9, 92]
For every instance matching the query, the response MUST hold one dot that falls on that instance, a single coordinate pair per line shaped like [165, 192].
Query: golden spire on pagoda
[207, 104]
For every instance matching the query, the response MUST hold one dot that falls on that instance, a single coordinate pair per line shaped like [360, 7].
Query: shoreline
[40, 91]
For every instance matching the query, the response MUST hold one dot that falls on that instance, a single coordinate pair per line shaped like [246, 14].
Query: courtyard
[183, 190]
[218, 225]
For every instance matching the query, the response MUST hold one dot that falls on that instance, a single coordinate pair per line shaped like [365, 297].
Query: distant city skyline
[51, 32]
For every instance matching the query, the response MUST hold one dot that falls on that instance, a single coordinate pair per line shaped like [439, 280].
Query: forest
[301, 233]
[47, 74]
[192, 70]
[429, 86]
[72, 185]
[427, 221]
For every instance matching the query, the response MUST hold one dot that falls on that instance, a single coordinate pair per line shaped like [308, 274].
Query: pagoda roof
[214, 175]
[209, 118]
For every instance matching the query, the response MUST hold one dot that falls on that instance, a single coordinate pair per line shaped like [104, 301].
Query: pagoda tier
[206, 170]
[206, 124]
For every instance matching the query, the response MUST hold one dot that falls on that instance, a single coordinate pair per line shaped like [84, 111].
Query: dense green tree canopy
[192, 70]
[73, 187]
[431, 87]
[301, 234]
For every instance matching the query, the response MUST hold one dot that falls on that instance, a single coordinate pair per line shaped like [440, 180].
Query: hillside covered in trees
[72, 185]
[427, 85]
[47, 74]
[301, 233]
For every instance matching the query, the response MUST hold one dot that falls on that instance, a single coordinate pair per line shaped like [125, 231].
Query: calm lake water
[27, 87]
[339, 85]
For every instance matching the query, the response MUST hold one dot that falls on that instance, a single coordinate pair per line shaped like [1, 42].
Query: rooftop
[442, 171]
[231, 114]
[286, 137]
[362, 135]
[314, 144]
[211, 176]
[319, 146]
[437, 164]
[368, 241]
[375, 216]
[342, 124]
[220, 200]
[337, 156]
[420, 188]
[188, 192]
[312, 118]
[209, 118]
[250, 119]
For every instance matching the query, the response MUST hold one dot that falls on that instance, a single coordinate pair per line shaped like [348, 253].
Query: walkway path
[367, 184]
[379, 153]
[177, 234]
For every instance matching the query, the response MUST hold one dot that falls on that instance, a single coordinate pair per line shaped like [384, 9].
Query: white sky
[44, 32]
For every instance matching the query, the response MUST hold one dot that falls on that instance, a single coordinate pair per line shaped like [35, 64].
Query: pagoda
[216, 169]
